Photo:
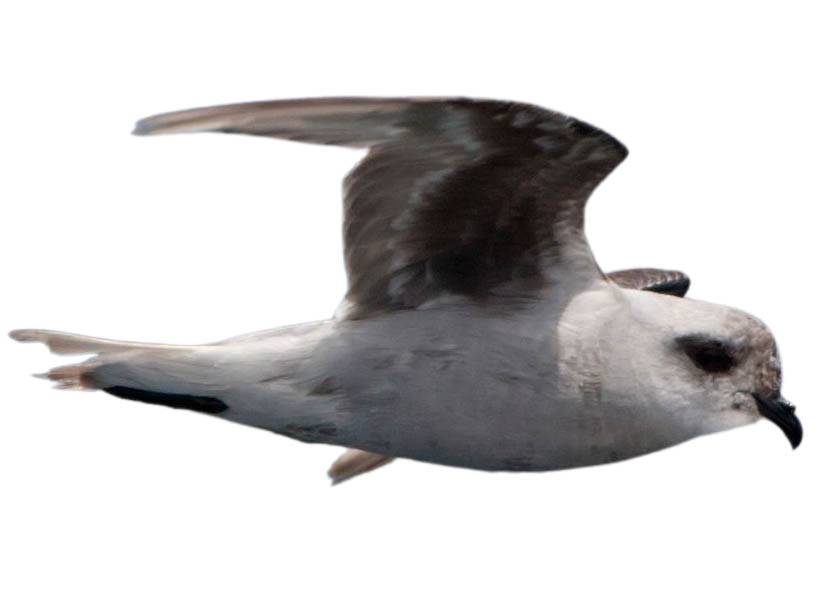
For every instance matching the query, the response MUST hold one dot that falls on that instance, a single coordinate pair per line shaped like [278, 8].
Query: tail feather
[76, 377]
[60, 342]
[165, 374]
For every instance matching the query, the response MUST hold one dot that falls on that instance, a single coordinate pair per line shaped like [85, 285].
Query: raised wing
[473, 197]
[656, 280]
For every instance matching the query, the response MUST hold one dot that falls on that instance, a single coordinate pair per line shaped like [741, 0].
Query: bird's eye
[707, 353]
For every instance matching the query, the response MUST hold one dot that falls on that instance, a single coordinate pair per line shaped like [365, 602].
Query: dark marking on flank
[443, 357]
[434, 444]
[436, 353]
[328, 386]
[275, 378]
[320, 432]
[209, 405]
[517, 464]
[509, 377]
[613, 456]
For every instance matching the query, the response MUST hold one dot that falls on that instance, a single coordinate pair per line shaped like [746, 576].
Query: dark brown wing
[463, 196]
[655, 280]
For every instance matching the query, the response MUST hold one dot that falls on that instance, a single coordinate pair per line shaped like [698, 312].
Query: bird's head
[712, 366]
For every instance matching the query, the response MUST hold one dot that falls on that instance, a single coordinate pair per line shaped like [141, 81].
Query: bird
[477, 330]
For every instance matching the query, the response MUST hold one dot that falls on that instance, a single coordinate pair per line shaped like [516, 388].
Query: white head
[702, 367]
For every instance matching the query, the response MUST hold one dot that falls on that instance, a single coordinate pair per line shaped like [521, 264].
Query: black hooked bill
[781, 413]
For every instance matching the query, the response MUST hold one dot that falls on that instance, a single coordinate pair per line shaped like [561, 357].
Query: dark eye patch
[709, 354]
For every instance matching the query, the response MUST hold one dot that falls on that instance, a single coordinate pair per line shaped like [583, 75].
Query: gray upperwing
[472, 197]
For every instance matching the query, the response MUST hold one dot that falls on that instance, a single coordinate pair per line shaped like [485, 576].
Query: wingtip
[145, 126]
[24, 335]
[140, 128]
[206, 119]
[159, 124]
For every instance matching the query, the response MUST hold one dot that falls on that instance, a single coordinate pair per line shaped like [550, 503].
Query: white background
[117, 507]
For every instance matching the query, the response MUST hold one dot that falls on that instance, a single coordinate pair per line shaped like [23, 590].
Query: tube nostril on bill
[781, 413]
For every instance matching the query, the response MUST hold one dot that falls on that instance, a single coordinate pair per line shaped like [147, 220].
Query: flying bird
[477, 329]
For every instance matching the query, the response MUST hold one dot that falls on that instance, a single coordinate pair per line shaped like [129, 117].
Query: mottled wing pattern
[655, 280]
[474, 197]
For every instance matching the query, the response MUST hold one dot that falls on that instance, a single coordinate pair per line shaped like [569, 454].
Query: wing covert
[474, 197]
